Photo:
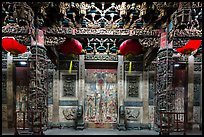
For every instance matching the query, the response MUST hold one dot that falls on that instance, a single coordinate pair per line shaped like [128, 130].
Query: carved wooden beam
[21, 34]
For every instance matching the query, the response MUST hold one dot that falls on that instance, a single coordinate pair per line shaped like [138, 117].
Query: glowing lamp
[11, 45]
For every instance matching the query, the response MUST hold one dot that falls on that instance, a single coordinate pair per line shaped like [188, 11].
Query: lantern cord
[70, 67]
[130, 67]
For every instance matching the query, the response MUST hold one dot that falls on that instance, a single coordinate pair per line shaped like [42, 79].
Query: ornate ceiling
[102, 26]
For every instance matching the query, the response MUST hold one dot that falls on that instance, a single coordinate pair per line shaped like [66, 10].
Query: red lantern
[130, 46]
[191, 46]
[70, 47]
[11, 45]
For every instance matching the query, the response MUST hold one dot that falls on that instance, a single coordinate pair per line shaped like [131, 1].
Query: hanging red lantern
[11, 45]
[130, 48]
[70, 48]
[190, 47]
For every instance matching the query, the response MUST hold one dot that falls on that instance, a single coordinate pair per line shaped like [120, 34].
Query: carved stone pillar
[81, 80]
[164, 92]
[37, 96]
[121, 93]
[56, 88]
[190, 90]
[145, 97]
[10, 93]
[120, 75]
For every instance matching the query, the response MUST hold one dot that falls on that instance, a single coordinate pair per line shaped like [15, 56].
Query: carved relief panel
[134, 114]
[4, 85]
[68, 86]
[133, 86]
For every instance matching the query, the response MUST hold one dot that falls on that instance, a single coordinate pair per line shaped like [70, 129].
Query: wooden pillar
[10, 92]
[190, 90]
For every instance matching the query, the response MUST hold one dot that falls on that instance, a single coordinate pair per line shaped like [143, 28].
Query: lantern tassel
[130, 67]
[70, 67]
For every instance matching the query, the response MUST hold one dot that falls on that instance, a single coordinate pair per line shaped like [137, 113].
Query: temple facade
[158, 89]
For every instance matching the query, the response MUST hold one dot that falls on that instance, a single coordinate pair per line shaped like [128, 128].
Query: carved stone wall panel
[134, 114]
[197, 89]
[132, 86]
[4, 54]
[50, 87]
[69, 86]
[198, 67]
[151, 115]
[4, 64]
[67, 113]
[196, 114]
[50, 113]
[152, 88]
[4, 116]
[4, 87]
[198, 58]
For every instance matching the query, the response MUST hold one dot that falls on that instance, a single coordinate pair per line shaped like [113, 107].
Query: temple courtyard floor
[100, 131]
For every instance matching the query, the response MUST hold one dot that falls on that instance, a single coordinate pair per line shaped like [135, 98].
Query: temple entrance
[101, 98]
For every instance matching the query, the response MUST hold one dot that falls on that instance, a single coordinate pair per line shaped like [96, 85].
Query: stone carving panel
[133, 114]
[197, 89]
[4, 113]
[50, 87]
[4, 54]
[50, 113]
[69, 86]
[196, 114]
[133, 86]
[151, 115]
[67, 113]
[197, 67]
[152, 88]
[4, 86]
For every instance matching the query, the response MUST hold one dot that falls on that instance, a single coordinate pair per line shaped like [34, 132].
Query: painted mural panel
[101, 96]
